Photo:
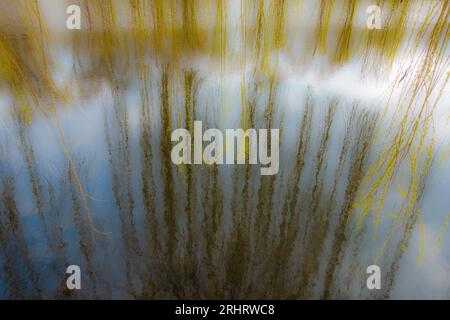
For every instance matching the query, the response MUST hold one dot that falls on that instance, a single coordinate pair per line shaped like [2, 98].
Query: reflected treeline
[201, 231]
[21, 276]
[210, 231]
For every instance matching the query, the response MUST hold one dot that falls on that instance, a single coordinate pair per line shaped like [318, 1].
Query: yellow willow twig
[326, 8]
[422, 239]
[13, 68]
[410, 137]
[342, 53]
[437, 245]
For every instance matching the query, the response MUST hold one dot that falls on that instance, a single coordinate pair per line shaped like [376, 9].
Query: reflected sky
[86, 176]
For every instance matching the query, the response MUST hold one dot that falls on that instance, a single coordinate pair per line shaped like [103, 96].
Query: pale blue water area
[218, 105]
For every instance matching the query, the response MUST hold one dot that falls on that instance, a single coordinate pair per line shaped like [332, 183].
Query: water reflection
[86, 176]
